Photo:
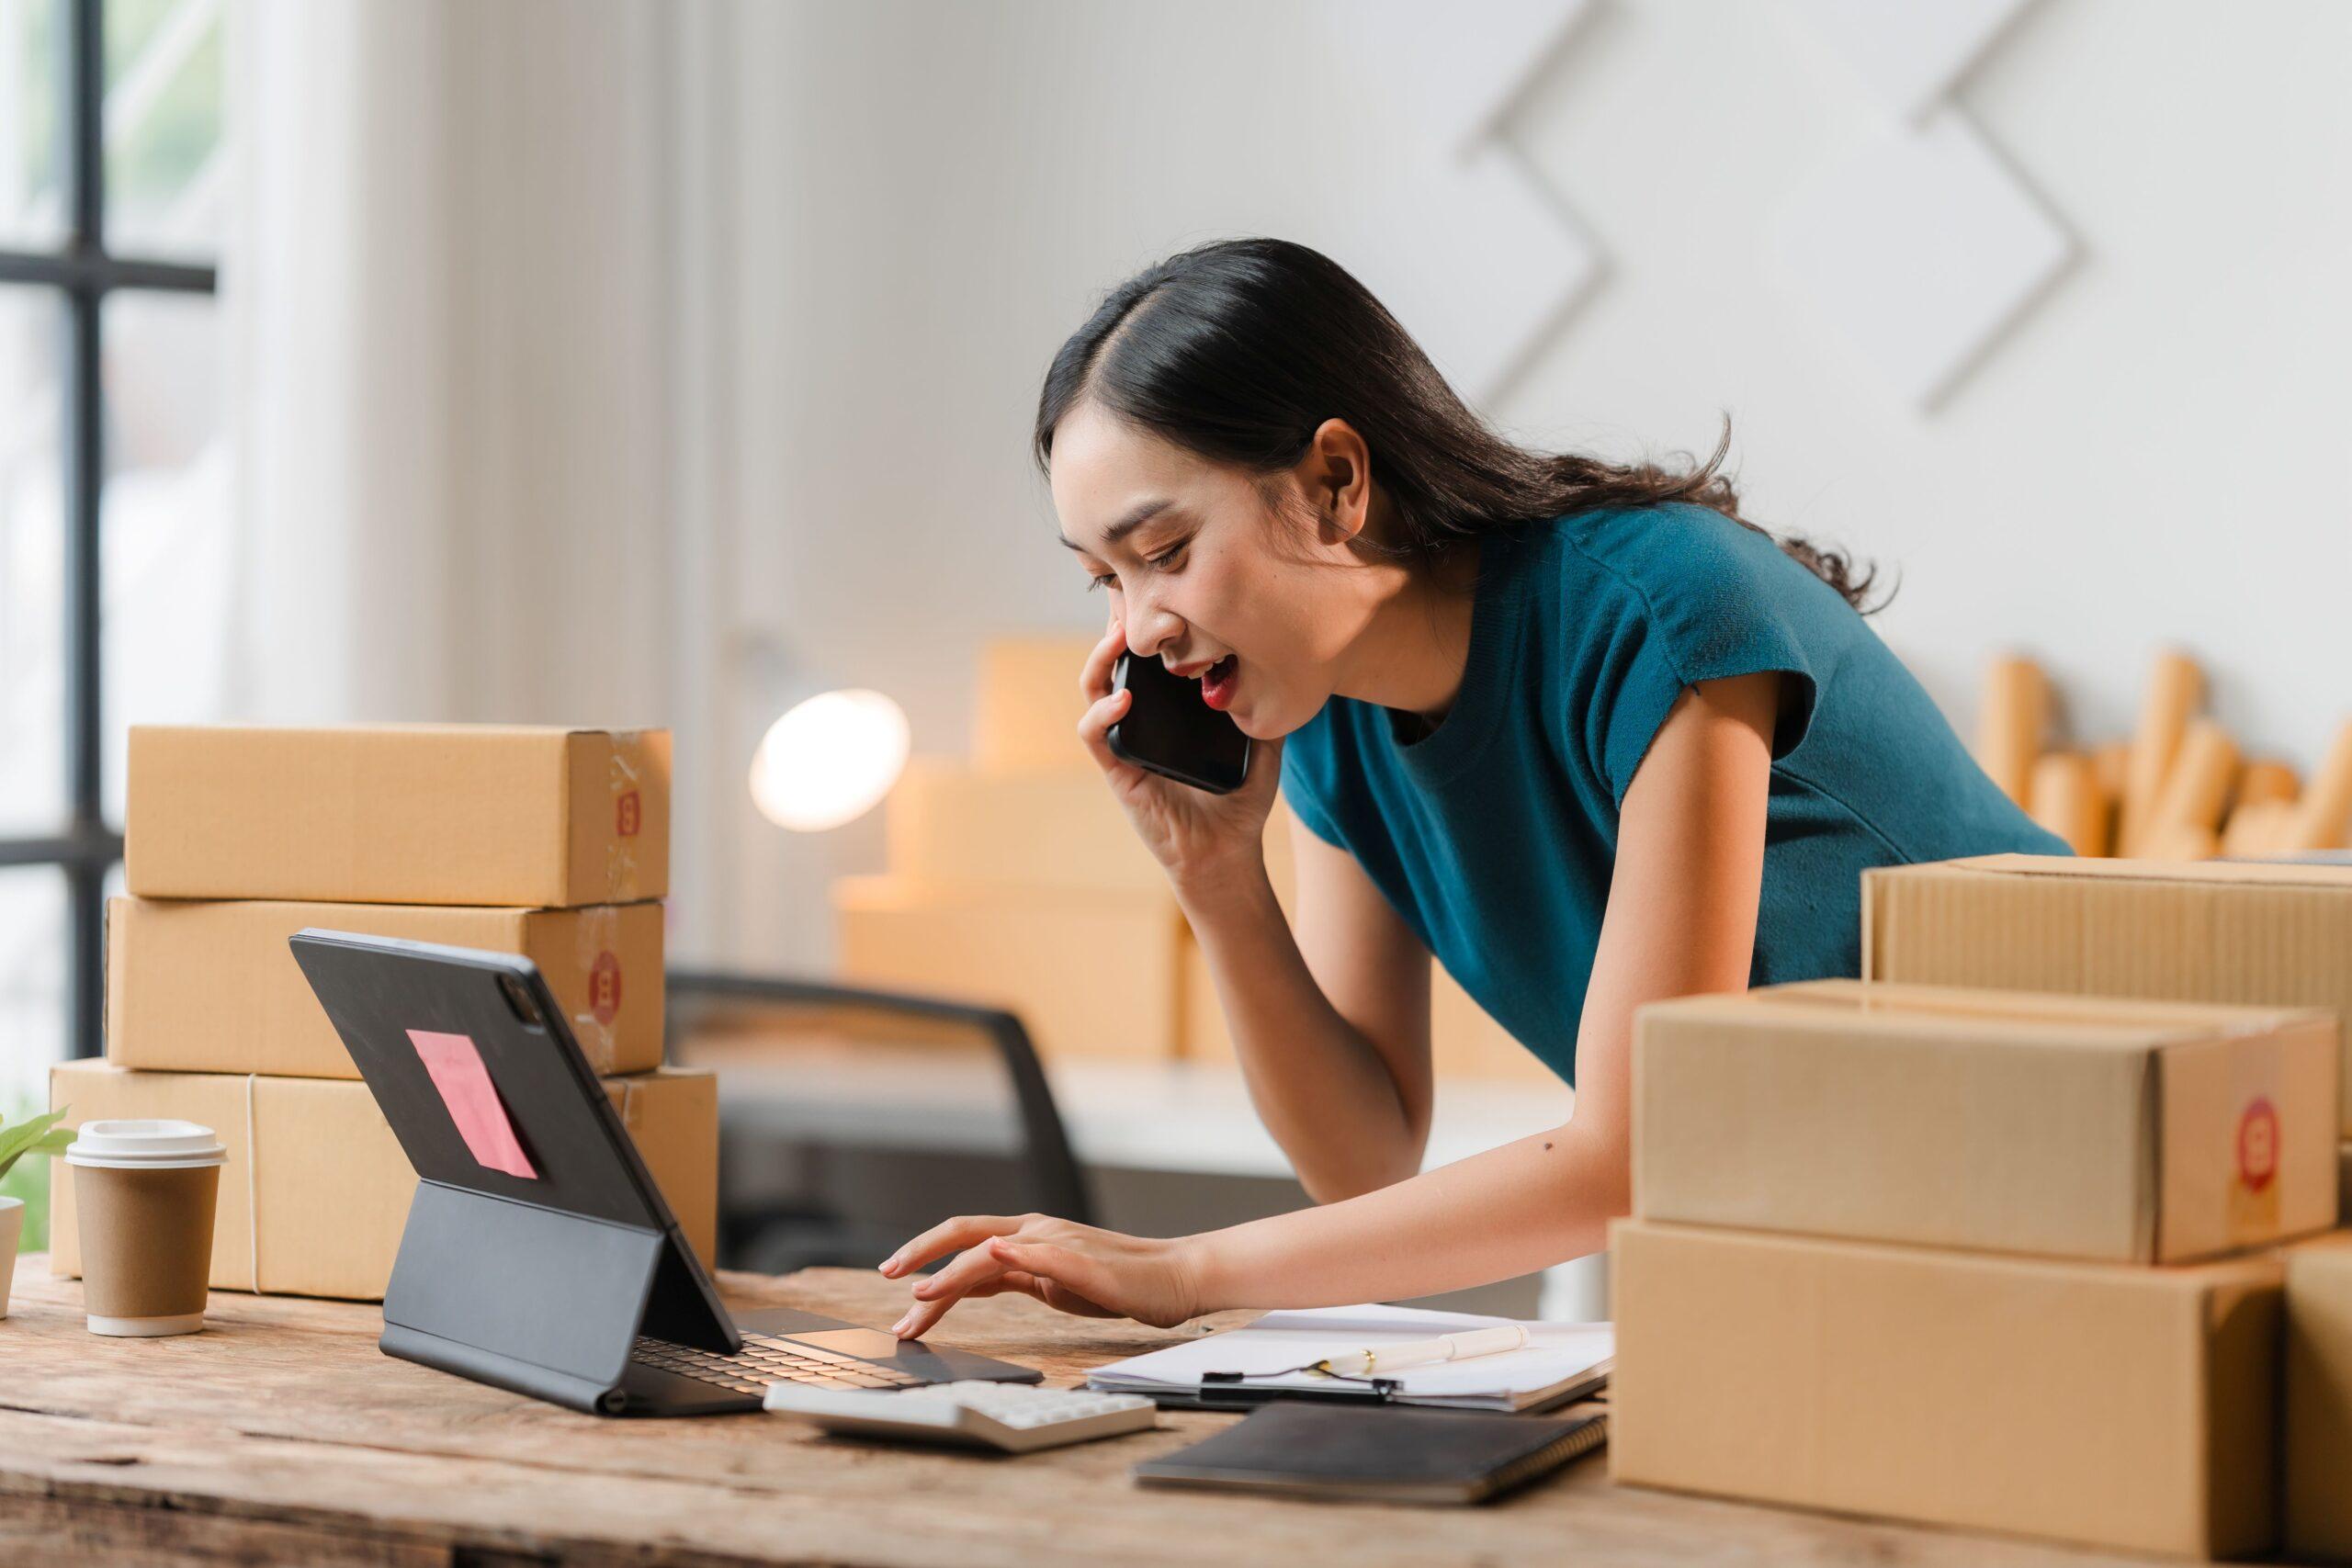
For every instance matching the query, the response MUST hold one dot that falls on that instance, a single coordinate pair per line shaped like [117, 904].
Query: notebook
[1354, 1453]
[1561, 1361]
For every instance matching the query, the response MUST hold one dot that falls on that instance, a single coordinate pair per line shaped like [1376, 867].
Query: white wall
[926, 198]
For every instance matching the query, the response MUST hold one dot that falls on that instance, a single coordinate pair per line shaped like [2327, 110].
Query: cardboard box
[537, 818]
[203, 987]
[1202, 1034]
[2273, 933]
[2101, 1404]
[1091, 971]
[1026, 714]
[2005, 1121]
[1464, 1042]
[947, 822]
[2318, 1380]
[316, 1189]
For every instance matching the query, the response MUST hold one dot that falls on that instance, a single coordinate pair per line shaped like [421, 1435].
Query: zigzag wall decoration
[1472, 253]
[1921, 245]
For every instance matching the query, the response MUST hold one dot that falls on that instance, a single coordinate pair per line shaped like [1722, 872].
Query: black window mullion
[85, 874]
[86, 93]
[82, 272]
[103, 273]
[84, 468]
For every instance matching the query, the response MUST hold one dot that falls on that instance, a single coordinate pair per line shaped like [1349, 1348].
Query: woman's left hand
[1074, 1268]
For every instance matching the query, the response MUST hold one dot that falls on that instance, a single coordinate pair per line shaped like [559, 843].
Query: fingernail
[899, 1328]
[889, 1266]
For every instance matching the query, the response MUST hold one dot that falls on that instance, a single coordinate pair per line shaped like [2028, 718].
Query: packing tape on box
[2256, 1089]
[596, 945]
[620, 856]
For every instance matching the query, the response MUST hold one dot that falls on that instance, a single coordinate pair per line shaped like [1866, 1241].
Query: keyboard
[767, 1360]
[1016, 1419]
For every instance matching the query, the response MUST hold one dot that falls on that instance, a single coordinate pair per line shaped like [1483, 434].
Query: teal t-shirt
[1494, 834]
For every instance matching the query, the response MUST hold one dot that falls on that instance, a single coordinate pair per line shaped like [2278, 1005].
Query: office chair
[848, 1116]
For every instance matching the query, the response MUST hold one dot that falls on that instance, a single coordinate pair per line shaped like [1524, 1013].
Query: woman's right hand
[1201, 838]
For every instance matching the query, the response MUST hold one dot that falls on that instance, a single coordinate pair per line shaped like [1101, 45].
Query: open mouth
[1217, 682]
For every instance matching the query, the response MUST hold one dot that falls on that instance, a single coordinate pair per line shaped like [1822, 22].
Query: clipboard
[1230, 1371]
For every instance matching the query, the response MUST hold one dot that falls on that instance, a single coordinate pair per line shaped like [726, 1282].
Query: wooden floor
[281, 1436]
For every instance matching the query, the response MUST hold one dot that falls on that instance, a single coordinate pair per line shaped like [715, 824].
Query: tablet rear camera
[518, 1002]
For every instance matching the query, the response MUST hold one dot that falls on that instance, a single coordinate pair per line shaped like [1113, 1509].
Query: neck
[1414, 649]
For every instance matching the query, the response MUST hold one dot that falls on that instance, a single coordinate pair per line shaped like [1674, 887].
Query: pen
[1422, 1352]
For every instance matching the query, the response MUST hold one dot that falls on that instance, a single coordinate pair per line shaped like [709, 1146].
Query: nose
[1150, 627]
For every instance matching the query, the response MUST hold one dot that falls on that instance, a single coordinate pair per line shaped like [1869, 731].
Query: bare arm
[1682, 919]
[1332, 1026]
[1333, 1041]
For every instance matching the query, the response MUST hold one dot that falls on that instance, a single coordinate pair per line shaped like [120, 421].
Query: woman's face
[1201, 568]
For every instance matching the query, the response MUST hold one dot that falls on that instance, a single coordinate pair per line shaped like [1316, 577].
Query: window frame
[82, 272]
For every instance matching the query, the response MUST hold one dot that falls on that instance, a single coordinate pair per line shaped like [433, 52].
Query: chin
[1255, 722]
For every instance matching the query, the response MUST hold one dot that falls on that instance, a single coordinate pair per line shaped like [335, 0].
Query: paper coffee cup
[144, 1192]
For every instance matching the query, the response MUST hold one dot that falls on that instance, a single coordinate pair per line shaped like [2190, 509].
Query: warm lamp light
[829, 760]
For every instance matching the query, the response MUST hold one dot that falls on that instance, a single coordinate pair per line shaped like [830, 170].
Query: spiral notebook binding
[1573, 1444]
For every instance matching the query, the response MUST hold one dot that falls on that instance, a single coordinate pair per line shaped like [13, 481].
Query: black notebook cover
[1390, 1454]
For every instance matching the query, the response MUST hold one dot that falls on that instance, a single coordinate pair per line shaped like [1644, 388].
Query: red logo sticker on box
[455, 1062]
[626, 812]
[2257, 1144]
[605, 988]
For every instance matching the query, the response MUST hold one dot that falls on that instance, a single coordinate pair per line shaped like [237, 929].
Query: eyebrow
[1126, 525]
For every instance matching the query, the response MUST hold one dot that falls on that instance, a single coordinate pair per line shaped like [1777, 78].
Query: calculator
[1016, 1419]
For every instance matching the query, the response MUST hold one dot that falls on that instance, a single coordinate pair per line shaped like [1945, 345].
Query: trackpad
[870, 1344]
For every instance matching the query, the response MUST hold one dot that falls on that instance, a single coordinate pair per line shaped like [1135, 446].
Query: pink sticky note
[458, 1072]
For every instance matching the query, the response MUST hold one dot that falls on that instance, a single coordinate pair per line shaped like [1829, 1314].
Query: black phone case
[1178, 760]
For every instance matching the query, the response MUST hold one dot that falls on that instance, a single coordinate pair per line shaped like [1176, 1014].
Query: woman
[1575, 728]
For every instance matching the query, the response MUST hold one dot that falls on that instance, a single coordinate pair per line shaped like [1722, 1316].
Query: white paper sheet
[1557, 1355]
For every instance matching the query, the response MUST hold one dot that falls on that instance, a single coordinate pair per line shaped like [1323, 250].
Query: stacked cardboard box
[2275, 931]
[2319, 1399]
[1016, 878]
[2269, 932]
[547, 842]
[1974, 1258]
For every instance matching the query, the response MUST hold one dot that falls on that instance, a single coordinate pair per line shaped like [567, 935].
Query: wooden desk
[281, 1436]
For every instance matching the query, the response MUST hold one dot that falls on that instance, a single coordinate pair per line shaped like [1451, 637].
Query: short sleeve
[1308, 763]
[1693, 604]
[1313, 818]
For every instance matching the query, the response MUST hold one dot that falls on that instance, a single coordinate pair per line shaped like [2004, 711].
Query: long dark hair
[1240, 350]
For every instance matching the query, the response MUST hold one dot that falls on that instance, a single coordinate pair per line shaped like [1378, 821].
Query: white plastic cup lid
[145, 1143]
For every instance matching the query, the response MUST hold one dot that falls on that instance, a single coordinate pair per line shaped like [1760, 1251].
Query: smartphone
[1169, 730]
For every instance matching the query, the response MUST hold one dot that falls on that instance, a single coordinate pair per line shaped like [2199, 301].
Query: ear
[1334, 476]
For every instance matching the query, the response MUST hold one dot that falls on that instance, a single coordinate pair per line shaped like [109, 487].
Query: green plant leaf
[38, 1133]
